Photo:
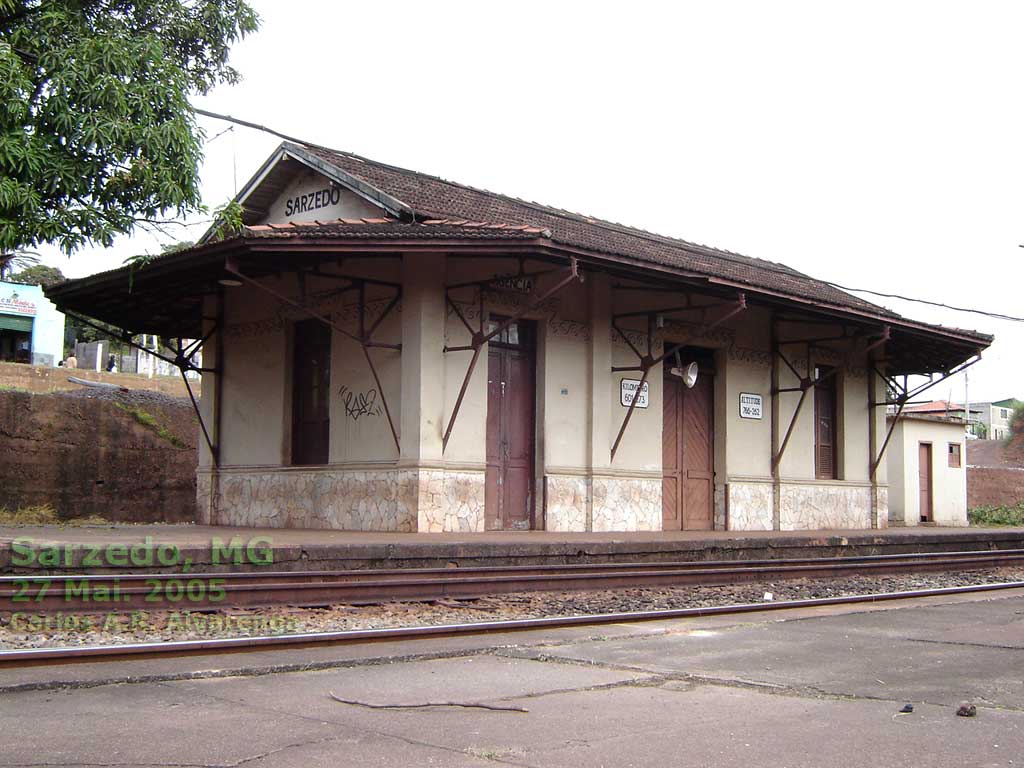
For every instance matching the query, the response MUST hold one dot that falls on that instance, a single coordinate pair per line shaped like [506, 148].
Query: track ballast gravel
[27, 630]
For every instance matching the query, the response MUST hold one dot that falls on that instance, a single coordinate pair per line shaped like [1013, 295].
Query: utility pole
[967, 405]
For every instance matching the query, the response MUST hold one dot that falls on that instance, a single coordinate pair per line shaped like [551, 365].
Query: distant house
[996, 417]
[31, 328]
[945, 408]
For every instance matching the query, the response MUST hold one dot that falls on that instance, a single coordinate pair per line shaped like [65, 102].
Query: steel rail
[376, 573]
[317, 588]
[52, 656]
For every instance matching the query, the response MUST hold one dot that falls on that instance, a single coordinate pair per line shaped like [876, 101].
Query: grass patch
[12, 388]
[152, 423]
[44, 514]
[998, 516]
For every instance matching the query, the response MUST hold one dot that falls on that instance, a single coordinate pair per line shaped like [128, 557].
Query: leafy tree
[38, 274]
[1017, 419]
[96, 131]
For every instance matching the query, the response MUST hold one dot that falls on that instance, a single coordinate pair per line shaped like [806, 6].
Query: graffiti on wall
[360, 404]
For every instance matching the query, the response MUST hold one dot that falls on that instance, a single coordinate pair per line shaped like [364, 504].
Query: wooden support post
[775, 415]
[872, 437]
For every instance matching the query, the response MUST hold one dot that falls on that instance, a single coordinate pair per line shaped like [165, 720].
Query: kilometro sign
[312, 201]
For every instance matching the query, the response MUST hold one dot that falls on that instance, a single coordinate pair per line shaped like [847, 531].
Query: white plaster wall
[349, 205]
[640, 447]
[359, 423]
[567, 393]
[748, 441]
[253, 382]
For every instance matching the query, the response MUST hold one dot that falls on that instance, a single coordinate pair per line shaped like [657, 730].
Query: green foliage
[995, 516]
[181, 245]
[96, 131]
[227, 220]
[38, 274]
[151, 422]
[18, 260]
[1017, 419]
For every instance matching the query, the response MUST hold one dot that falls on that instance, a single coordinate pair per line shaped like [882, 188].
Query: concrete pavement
[809, 688]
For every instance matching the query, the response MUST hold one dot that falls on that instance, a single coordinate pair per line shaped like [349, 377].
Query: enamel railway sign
[628, 390]
[751, 406]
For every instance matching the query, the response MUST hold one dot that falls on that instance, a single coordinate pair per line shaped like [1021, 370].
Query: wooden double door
[509, 481]
[688, 454]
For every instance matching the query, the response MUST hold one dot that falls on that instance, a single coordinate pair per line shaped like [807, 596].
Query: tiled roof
[395, 229]
[437, 198]
[936, 406]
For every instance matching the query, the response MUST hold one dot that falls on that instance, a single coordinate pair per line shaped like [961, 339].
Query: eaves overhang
[165, 296]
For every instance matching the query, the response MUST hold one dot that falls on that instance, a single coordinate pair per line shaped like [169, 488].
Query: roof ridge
[573, 215]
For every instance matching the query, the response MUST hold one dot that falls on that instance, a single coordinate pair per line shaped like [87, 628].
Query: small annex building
[927, 470]
[387, 350]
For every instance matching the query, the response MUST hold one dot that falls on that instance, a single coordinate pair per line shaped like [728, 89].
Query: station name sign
[312, 201]
[517, 283]
[751, 406]
[630, 389]
[12, 303]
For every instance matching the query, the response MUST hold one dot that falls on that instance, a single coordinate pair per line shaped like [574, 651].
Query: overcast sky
[876, 145]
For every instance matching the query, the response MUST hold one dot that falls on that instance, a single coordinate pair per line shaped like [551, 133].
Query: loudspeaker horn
[687, 374]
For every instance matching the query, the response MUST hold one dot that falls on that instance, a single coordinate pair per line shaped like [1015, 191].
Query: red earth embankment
[124, 456]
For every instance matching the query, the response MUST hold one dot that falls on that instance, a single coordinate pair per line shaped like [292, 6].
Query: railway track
[202, 591]
[114, 653]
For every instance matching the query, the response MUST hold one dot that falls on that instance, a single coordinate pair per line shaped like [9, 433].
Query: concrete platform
[293, 549]
[815, 687]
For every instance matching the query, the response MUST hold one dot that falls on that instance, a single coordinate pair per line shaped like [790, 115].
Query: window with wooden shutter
[954, 455]
[825, 427]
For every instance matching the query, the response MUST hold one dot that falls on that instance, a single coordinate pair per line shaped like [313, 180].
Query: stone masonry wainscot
[610, 503]
[399, 500]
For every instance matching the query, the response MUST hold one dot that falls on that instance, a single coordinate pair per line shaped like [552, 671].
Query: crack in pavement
[357, 728]
[179, 764]
[964, 643]
[660, 678]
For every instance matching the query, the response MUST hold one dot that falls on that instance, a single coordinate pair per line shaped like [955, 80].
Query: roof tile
[438, 200]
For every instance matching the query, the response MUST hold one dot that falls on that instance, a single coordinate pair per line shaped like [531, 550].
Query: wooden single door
[688, 455]
[311, 384]
[924, 480]
[508, 493]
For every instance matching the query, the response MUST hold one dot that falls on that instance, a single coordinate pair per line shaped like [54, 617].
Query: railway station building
[386, 350]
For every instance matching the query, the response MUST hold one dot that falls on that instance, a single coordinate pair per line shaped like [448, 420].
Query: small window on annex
[954, 455]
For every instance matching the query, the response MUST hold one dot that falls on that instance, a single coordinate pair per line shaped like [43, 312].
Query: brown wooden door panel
[688, 475]
[698, 455]
[508, 494]
[697, 515]
[924, 480]
[670, 503]
[493, 475]
[671, 478]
